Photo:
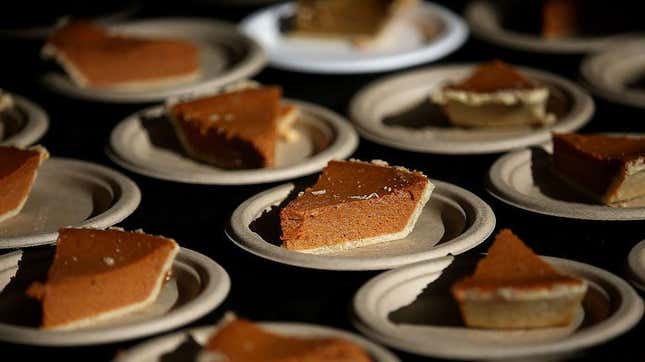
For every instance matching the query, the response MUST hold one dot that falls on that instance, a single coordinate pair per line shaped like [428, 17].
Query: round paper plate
[146, 143]
[618, 73]
[24, 124]
[198, 285]
[454, 220]
[186, 345]
[69, 193]
[485, 20]
[226, 56]
[411, 309]
[432, 32]
[397, 112]
[636, 263]
[524, 179]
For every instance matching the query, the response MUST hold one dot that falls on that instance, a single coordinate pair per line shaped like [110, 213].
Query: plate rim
[480, 218]
[624, 318]
[344, 144]
[447, 42]
[246, 68]
[636, 268]
[589, 71]
[128, 193]
[502, 191]
[375, 350]
[531, 43]
[582, 110]
[36, 126]
[215, 291]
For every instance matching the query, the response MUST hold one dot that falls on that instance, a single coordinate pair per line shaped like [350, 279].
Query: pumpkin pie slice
[362, 22]
[560, 18]
[239, 340]
[495, 95]
[512, 287]
[354, 204]
[608, 169]
[94, 57]
[97, 275]
[237, 129]
[18, 171]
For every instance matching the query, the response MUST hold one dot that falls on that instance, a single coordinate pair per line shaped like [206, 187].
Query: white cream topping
[518, 294]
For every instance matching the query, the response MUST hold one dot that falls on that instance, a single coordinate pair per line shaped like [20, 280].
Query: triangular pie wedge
[239, 340]
[513, 288]
[18, 171]
[94, 57]
[236, 129]
[354, 204]
[98, 275]
[608, 169]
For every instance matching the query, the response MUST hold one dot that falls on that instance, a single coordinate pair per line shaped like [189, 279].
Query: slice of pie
[354, 204]
[608, 169]
[97, 275]
[560, 18]
[512, 287]
[18, 170]
[239, 340]
[94, 57]
[495, 95]
[362, 22]
[235, 129]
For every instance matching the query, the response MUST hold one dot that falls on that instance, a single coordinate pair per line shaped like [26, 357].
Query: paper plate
[226, 56]
[618, 73]
[523, 179]
[411, 309]
[408, 43]
[485, 20]
[24, 124]
[454, 220]
[397, 112]
[185, 345]
[636, 263]
[145, 143]
[198, 285]
[70, 193]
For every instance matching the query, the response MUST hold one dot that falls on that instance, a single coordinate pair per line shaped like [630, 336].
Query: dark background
[196, 215]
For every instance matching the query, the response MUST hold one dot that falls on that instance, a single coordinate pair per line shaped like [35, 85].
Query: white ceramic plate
[24, 124]
[636, 263]
[182, 346]
[226, 56]
[396, 112]
[407, 44]
[485, 20]
[146, 143]
[411, 309]
[454, 220]
[198, 285]
[610, 72]
[70, 193]
[523, 179]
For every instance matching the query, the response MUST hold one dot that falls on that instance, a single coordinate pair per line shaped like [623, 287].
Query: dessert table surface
[197, 215]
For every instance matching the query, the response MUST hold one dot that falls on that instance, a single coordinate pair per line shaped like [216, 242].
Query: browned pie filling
[243, 341]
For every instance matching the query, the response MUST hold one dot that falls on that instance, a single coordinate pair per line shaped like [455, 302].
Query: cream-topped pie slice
[512, 287]
[354, 204]
[495, 95]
